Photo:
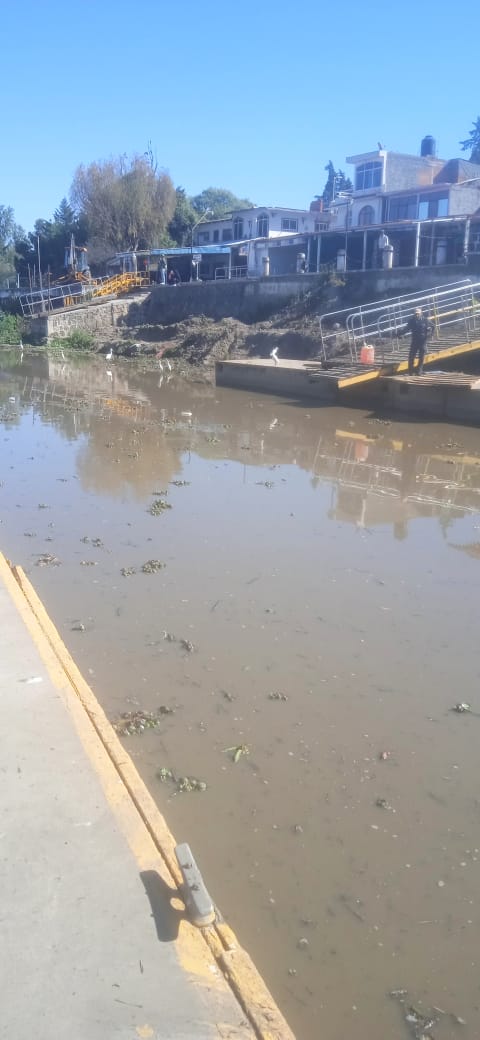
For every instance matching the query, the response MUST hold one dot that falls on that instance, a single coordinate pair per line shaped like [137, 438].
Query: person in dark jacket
[420, 329]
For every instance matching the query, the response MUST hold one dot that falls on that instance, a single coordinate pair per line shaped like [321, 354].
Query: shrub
[9, 328]
[77, 340]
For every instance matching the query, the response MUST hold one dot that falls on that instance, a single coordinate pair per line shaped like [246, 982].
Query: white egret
[109, 356]
[274, 355]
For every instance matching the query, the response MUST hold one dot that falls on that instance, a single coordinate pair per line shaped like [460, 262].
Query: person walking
[420, 329]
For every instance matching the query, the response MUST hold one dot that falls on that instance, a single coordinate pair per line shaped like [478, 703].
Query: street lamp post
[208, 210]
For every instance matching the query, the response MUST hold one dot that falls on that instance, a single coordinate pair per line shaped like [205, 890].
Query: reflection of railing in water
[402, 475]
[453, 309]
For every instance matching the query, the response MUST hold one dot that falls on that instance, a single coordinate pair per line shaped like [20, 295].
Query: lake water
[320, 595]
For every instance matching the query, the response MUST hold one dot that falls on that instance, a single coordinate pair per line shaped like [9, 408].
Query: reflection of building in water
[136, 434]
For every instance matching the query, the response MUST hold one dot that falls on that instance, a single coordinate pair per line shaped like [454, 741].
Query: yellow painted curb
[236, 965]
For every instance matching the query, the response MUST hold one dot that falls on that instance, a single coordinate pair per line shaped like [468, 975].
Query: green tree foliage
[472, 142]
[336, 181]
[54, 237]
[127, 203]
[183, 220]
[219, 201]
[9, 233]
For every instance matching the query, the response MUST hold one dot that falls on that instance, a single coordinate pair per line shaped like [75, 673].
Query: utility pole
[42, 301]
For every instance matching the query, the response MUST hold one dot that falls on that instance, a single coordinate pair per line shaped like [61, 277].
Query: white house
[424, 204]
[257, 222]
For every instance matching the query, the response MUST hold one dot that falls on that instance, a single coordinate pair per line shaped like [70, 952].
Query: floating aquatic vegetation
[158, 506]
[420, 1021]
[187, 645]
[382, 803]
[237, 751]
[180, 483]
[88, 563]
[183, 784]
[127, 571]
[135, 722]
[152, 566]
[265, 483]
[461, 707]
[277, 697]
[47, 560]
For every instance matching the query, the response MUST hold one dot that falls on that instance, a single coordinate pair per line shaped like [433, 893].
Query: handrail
[386, 320]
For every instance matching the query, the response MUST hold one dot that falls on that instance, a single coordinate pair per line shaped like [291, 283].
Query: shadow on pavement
[167, 919]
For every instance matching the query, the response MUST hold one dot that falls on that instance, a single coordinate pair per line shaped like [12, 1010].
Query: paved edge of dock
[99, 739]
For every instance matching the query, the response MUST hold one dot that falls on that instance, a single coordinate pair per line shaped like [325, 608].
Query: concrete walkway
[94, 936]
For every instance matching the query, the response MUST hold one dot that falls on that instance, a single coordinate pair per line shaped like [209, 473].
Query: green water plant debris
[158, 507]
[183, 784]
[136, 722]
[47, 560]
[152, 566]
[127, 571]
[237, 751]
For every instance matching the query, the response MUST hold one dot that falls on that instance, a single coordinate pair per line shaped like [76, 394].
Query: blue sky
[254, 97]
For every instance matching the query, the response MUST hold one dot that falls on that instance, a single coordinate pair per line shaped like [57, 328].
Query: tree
[336, 181]
[54, 237]
[472, 142]
[127, 203]
[183, 220]
[9, 233]
[219, 201]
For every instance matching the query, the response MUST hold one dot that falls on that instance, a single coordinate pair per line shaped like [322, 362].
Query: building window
[216, 236]
[237, 228]
[403, 208]
[262, 226]
[366, 216]
[289, 224]
[423, 209]
[320, 226]
[227, 234]
[203, 237]
[368, 175]
[442, 206]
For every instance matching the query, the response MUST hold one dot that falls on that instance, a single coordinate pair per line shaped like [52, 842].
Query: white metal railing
[58, 296]
[453, 308]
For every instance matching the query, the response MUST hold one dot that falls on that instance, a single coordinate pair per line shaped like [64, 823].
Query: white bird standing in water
[160, 365]
[168, 364]
[274, 355]
[108, 357]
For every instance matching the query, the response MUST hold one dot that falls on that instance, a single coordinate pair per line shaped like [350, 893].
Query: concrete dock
[96, 942]
[436, 394]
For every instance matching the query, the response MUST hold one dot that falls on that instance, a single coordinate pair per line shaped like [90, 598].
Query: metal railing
[43, 301]
[453, 309]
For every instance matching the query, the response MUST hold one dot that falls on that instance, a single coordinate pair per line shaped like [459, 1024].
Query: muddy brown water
[315, 553]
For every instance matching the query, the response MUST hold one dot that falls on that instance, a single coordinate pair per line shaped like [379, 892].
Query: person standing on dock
[420, 329]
